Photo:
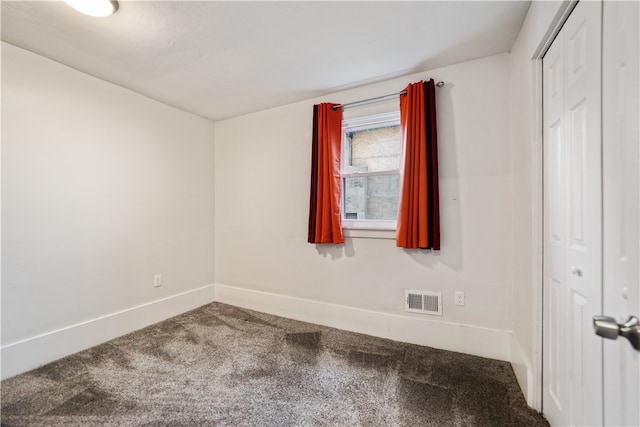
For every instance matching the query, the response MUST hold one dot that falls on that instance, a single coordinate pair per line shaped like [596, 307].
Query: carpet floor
[221, 365]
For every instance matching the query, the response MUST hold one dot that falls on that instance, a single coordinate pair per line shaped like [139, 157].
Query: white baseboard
[523, 369]
[22, 356]
[491, 343]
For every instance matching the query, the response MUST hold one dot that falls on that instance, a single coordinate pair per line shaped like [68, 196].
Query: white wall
[527, 195]
[263, 260]
[101, 189]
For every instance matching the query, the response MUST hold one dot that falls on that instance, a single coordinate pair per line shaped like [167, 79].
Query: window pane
[371, 197]
[373, 150]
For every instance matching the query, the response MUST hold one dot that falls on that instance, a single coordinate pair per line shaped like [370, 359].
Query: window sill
[369, 229]
[369, 234]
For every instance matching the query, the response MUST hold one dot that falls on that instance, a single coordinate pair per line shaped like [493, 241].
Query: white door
[621, 214]
[572, 276]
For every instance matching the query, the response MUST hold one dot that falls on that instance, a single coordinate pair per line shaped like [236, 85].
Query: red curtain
[325, 225]
[419, 210]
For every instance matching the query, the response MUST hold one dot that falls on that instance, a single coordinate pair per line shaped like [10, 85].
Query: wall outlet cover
[459, 298]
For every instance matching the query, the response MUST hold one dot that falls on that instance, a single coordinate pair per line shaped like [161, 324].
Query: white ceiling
[224, 59]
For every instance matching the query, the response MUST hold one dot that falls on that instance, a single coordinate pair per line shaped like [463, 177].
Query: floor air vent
[425, 302]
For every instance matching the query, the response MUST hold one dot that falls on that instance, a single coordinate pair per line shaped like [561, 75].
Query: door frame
[537, 171]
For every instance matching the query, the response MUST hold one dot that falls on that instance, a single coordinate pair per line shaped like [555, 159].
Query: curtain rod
[377, 98]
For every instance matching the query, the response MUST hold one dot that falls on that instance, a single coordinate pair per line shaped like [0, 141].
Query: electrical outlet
[459, 297]
[157, 280]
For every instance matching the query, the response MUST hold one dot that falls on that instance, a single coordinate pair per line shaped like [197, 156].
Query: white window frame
[365, 227]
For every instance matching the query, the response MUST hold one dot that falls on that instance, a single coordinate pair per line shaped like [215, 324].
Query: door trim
[558, 21]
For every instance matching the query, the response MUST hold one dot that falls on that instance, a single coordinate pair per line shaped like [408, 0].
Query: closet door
[621, 180]
[572, 275]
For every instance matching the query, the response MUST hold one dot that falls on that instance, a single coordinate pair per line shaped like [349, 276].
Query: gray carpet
[220, 365]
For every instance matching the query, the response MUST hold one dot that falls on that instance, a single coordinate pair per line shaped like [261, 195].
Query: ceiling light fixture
[98, 8]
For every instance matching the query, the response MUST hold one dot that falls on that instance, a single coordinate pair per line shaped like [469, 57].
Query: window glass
[371, 170]
[372, 197]
[372, 150]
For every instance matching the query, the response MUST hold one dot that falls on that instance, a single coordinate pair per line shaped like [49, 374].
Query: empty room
[331, 213]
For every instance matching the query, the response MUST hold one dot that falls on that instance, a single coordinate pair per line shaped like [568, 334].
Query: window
[371, 149]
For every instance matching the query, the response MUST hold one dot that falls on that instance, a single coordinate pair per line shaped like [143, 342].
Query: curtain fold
[419, 209]
[325, 224]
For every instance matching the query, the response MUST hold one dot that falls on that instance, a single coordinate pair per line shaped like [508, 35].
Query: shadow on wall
[336, 251]
[451, 253]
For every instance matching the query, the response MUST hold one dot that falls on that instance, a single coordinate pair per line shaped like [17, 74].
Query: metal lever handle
[607, 327]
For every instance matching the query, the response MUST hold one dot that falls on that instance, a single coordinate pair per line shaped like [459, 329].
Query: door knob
[607, 327]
